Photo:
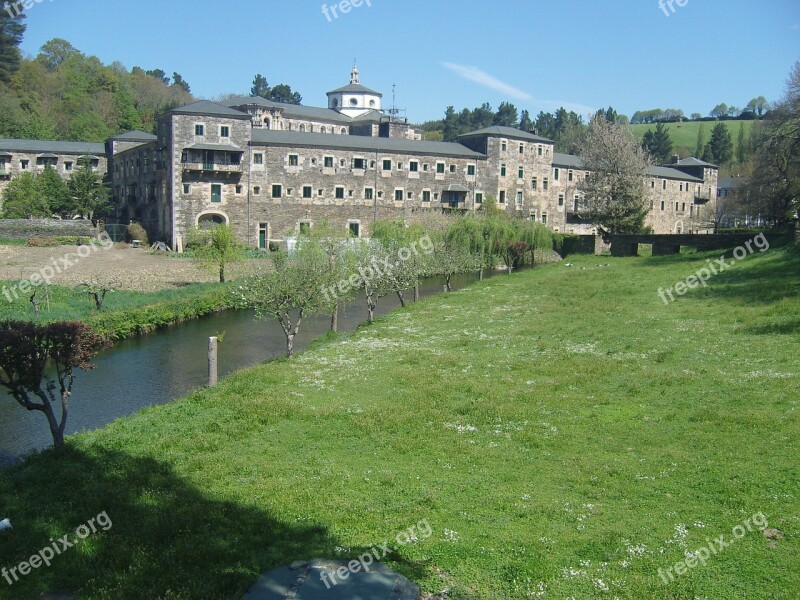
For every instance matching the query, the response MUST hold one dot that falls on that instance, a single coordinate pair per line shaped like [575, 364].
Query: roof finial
[354, 73]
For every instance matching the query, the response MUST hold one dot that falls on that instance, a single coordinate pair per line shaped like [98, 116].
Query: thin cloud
[795, 27]
[483, 78]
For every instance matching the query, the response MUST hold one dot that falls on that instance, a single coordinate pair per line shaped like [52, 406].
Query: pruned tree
[28, 350]
[614, 191]
[216, 248]
[293, 290]
[97, 288]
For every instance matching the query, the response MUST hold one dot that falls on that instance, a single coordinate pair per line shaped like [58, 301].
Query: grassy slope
[684, 135]
[562, 424]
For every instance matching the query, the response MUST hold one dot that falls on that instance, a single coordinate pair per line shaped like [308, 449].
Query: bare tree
[614, 190]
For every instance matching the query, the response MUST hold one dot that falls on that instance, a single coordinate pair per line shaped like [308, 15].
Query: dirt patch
[134, 268]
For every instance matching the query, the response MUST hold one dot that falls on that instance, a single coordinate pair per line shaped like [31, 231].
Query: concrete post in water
[212, 362]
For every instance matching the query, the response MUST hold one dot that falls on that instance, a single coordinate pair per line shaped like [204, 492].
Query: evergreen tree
[701, 141]
[283, 93]
[449, 125]
[658, 143]
[506, 115]
[741, 147]
[178, 81]
[51, 191]
[525, 123]
[260, 86]
[86, 194]
[11, 31]
[721, 145]
[21, 198]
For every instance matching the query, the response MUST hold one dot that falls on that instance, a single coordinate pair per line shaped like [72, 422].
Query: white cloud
[483, 78]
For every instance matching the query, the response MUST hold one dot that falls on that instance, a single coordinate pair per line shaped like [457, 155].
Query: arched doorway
[210, 219]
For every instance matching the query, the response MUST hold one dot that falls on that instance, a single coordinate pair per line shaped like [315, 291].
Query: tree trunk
[447, 286]
[370, 310]
[221, 274]
[480, 274]
[289, 345]
[402, 301]
[416, 292]
[335, 318]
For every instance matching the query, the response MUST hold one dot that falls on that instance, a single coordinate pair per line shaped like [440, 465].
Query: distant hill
[684, 135]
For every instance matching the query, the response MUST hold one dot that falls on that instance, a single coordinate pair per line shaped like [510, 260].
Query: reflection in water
[157, 368]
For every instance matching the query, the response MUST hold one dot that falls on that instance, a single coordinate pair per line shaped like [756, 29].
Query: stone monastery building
[271, 170]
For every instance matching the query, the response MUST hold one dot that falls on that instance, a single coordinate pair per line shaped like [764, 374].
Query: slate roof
[571, 160]
[354, 88]
[567, 160]
[694, 162]
[509, 132]
[206, 107]
[135, 136]
[217, 147]
[730, 183]
[291, 110]
[38, 146]
[363, 143]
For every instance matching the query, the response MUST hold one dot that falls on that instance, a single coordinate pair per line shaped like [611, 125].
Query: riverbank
[563, 431]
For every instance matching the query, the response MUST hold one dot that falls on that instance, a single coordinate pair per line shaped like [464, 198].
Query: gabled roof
[731, 183]
[134, 136]
[509, 132]
[14, 145]
[567, 160]
[694, 162]
[250, 101]
[208, 108]
[268, 137]
[216, 147]
[355, 88]
[290, 110]
[571, 160]
[372, 115]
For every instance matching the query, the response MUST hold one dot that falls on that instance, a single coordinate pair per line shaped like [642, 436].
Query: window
[544, 218]
[369, 193]
[534, 183]
[522, 148]
[187, 189]
[339, 192]
[539, 150]
[68, 166]
[216, 192]
[258, 158]
[359, 163]
[426, 195]
[452, 168]
[387, 165]
[322, 129]
[305, 227]
[440, 167]
[277, 190]
[342, 162]
[355, 228]
[413, 166]
[503, 146]
[302, 127]
[471, 170]
[263, 235]
[680, 187]
[652, 183]
[23, 164]
[518, 201]
[561, 199]
[662, 205]
[425, 167]
[521, 173]
[238, 189]
[257, 190]
[327, 162]
[199, 130]
[502, 169]
[307, 191]
[224, 131]
[398, 195]
[478, 198]
[664, 184]
[294, 160]
[556, 174]
[569, 175]
[343, 131]
[544, 184]
[683, 206]
[502, 197]
[399, 166]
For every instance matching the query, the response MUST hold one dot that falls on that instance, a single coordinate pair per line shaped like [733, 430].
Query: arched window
[302, 127]
[344, 131]
[210, 219]
[322, 129]
[266, 123]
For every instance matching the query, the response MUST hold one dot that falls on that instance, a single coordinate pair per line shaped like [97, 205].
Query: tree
[402, 245]
[775, 181]
[658, 143]
[338, 246]
[178, 81]
[260, 86]
[283, 93]
[158, 74]
[87, 195]
[506, 115]
[21, 199]
[696, 116]
[720, 146]
[52, 190]
[701, 141]
[758, 105]
[11, 32]
[27, 351]
[293, 290]
[734, 111]
[614, 190]
[720, 110]
[216, 248]
[56, 52]
[525, 122]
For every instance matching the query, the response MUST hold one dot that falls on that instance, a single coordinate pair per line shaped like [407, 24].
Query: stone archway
[207, 220]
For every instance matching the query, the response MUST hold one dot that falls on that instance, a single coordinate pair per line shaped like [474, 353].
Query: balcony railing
[215, 167]
[700, 197]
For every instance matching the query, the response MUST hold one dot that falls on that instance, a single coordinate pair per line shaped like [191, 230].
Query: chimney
[675, 159]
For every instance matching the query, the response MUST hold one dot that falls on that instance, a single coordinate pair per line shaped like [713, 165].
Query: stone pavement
[332, 580]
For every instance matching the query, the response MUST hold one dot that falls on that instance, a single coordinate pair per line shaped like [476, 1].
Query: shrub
[137, 232]
[47, 242]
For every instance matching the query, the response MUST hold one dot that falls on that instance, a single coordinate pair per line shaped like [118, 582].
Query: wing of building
[270, 170]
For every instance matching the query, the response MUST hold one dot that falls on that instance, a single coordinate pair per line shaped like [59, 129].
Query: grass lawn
[684, 135]
[561, 430]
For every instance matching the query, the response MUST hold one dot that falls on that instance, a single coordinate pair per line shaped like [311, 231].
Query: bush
[137, 232]
[47, 242]
[274, 246]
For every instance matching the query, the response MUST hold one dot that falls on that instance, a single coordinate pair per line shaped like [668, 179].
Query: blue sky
[630, 54]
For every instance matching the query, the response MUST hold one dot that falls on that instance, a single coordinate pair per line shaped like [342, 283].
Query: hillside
[684, 135]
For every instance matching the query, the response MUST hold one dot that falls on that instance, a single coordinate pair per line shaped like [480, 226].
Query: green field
[684, 135]
[562, 431]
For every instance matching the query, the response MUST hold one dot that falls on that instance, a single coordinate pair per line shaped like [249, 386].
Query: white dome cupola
[354, 99]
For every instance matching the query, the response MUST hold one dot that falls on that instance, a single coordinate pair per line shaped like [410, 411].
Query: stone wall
[23, 229]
